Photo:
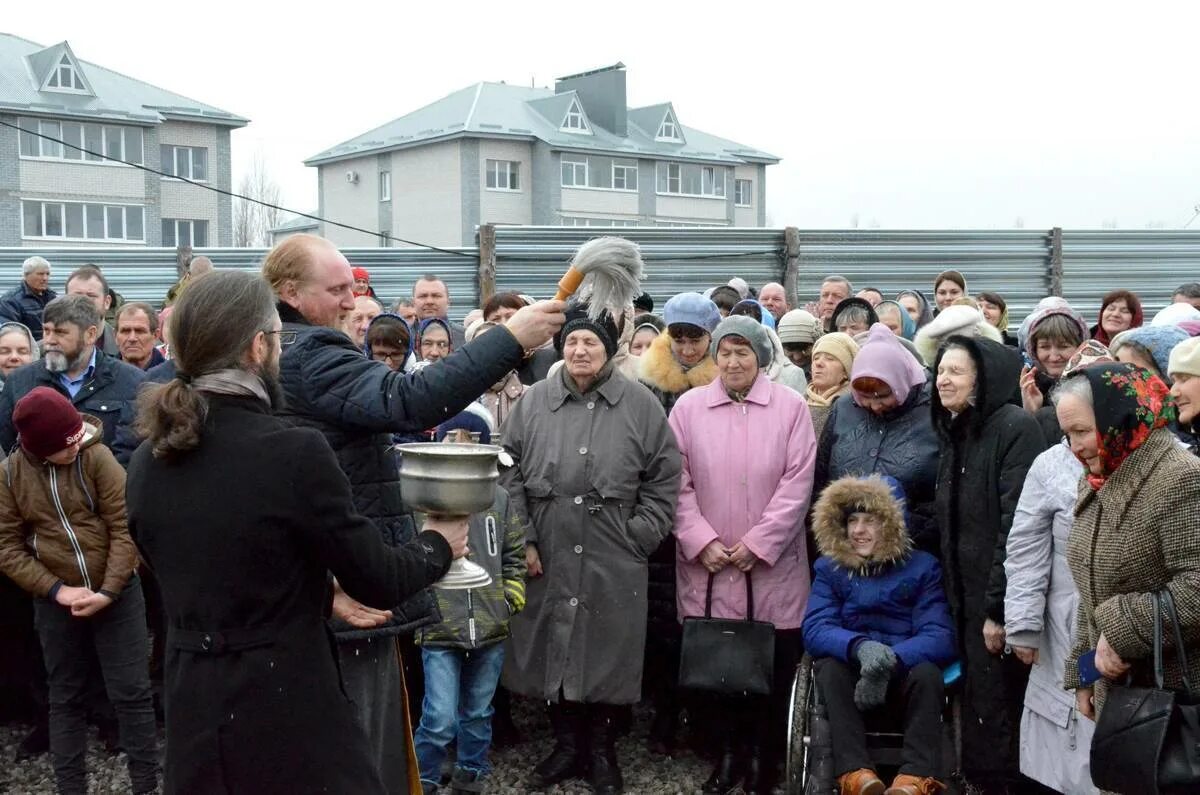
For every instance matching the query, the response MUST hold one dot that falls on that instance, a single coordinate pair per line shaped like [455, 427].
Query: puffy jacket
[902, 444]
[22, 305]
[358, 404]
[475, 617]
[66, 524]
[110, 396]
[894, 597]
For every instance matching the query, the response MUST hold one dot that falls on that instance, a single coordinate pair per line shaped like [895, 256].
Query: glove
[876, 660]
[870, 692]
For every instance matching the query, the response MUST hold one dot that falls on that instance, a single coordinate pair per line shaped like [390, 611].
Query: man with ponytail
[358, 404]
[249, 523]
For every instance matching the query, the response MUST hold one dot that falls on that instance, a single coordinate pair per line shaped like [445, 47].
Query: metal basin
[449, 479]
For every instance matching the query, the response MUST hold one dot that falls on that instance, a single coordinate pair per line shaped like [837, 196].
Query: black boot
[564, 760]
[760, 772]
[605, 723]
[727, 774]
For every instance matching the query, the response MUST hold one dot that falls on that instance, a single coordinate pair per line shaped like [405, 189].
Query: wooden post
[1056, 262]
[791, 267]
[487, 262]
[183, 255]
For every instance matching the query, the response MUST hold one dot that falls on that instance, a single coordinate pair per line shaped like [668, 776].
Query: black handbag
[1148, 738]
[732, 657]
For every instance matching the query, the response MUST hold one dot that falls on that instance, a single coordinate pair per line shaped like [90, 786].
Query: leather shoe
[860, 782]
[905, 784]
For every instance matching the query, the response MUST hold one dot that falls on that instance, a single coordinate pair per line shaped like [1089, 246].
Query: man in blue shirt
[96, 383]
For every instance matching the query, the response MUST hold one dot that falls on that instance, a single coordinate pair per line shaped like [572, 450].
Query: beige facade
[689, 208]
[351, 196]
[427, 194]
[497, 206]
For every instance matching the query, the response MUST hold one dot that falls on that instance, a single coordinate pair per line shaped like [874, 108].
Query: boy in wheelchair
[879, 631]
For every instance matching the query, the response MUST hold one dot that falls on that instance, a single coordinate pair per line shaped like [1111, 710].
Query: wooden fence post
[487, 262]
[791, 267]
[1056, 262]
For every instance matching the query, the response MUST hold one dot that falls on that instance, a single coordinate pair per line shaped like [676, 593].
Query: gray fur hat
[749, 328]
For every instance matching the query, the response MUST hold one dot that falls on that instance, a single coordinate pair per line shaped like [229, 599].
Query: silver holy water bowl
[453, 481]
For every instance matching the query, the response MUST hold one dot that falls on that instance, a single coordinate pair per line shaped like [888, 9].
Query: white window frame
[56, 75]
[668, 129]
[83, 159]
[576, 162]
[575, 121]
[511, 171]
[743, 192]
[626, 168]
[105, 206]
[385, 186]
[191, 163]
[710, 171]
[191, 227]
[573, 220]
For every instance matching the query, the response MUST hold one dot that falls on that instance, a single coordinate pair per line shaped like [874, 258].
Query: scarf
[826, 398]
[239, 383]
[601, 377]
[1130, 403]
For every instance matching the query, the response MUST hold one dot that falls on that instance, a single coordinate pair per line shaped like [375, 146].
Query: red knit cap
[361, 273]
[46, 422]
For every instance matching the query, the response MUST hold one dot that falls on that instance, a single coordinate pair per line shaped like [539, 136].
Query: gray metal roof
[24, 66]
[499, 110]
[299, 223]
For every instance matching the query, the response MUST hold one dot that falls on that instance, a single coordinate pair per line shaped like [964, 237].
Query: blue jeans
[459, 685]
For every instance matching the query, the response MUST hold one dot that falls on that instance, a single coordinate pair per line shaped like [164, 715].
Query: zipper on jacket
[493, 543]
[470, 619]
[62, 516]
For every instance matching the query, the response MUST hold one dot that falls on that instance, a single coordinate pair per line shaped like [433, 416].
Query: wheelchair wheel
[797, 748]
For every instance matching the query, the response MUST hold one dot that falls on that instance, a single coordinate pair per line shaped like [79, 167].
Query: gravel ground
[644, 773]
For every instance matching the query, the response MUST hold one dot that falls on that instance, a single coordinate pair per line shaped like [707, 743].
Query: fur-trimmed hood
[881, 496]
[659, 368]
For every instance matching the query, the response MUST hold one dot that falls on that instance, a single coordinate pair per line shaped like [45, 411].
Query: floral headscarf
[1129, 403]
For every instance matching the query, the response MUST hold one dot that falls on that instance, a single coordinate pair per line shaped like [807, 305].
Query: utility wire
[351, 227]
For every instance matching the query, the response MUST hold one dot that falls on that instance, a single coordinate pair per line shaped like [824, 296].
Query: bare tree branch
[252, 222]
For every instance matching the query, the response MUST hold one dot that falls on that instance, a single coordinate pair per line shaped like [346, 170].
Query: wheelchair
[810, 747]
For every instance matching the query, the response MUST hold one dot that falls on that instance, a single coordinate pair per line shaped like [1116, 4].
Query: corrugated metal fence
[530, 260]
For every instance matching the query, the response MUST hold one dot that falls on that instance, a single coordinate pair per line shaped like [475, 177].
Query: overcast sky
[897, 115]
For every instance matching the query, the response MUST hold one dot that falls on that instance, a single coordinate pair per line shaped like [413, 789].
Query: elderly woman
[894, 316]
[832, 358]
[434, 341]
[1185, 370]
[853, 315]
[646, 328]
[741, 516]
[595, 479]
[17, 348]
[987, 447]
[1135, 526]
[1039, 612]
[916, 305]
[1149, 348]
[798, 332]
[884, 428]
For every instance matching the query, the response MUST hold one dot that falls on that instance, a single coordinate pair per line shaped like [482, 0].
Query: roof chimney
[602, 92]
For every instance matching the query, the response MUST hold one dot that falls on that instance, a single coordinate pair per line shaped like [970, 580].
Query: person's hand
[1026, 654]
[1108, 662]
[536, 324]
[1084, 704]
[533, 561]
[714, 557]
[870, 692]
[68, 595]
[993, 636]
[1031, 395]
[453, 530]
[876, 659]
[355, 614]
[741, 556]
[90, 605]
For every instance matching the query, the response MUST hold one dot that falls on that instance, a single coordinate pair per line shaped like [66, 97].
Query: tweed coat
[1133, 537]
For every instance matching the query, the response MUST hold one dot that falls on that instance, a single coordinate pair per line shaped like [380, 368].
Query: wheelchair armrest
[952, 673]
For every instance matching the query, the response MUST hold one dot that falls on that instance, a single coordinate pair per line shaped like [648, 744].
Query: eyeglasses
[380, 356]
[285, 337]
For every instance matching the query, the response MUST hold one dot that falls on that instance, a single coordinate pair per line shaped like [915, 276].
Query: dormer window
[575, 121]
[669, 129]
[65, 77]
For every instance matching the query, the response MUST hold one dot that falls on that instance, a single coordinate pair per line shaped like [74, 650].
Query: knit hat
[46, 422]
[798, 326]
[644, 303]
[467, 421]
[1175, 313]
[578, 320]
[950, 276]
[361, 273]
[754, 332]
[1185, 358]
[692, 309]
[838, 345]
[1158, 340]
[885, 359]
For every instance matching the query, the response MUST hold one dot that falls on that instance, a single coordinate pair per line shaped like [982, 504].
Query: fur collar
[660, 370]
[829, 524]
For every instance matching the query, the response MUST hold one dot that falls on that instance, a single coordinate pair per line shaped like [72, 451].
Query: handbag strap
[1159, 674]
[1167, 601]
[749, 597]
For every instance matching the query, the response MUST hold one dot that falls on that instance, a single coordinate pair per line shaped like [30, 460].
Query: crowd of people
[201, 522]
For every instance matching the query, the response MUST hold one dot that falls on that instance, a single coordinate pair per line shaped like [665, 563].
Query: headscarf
[753, 309]
[908, 326]
[1089, 353]
[1174, 314]
[1131, 301]
[1130, 403]
[926, 313]
[885, 359]
[998, 300]
[426, 323]
[1158, 341]
[1052, 305]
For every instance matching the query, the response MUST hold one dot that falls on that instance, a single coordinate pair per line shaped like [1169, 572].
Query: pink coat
[747, 476]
